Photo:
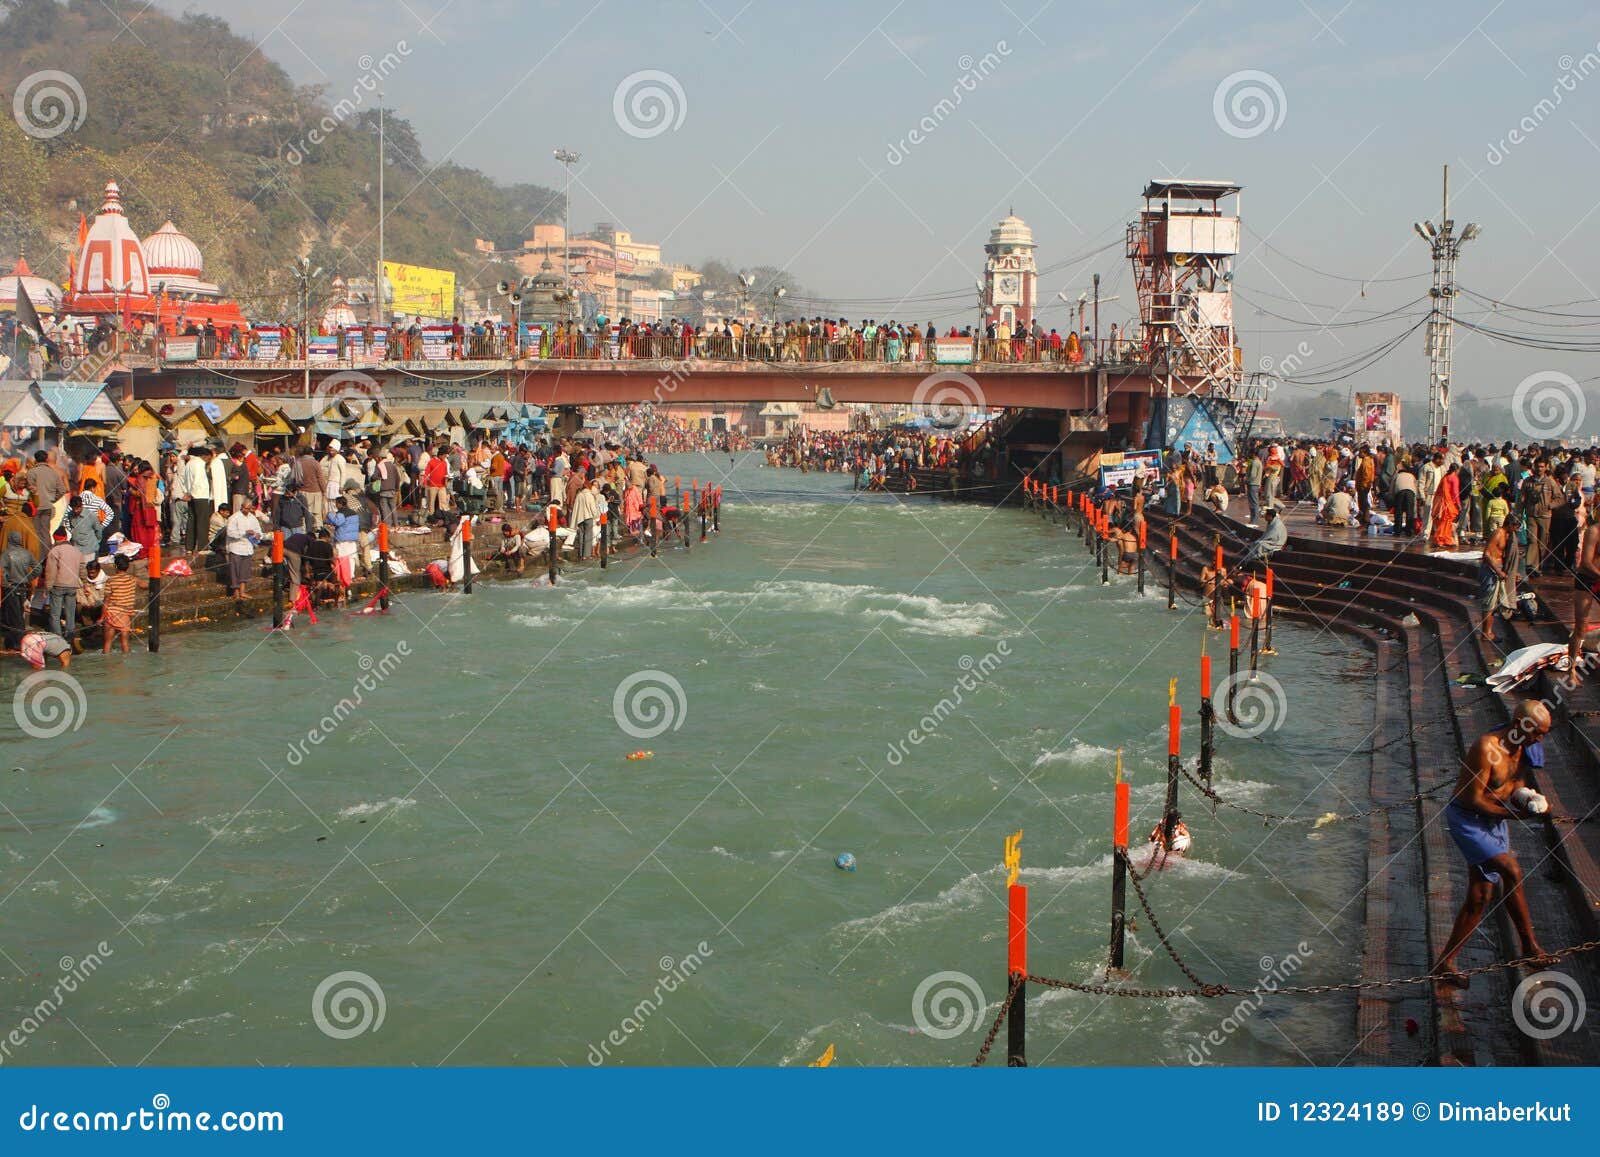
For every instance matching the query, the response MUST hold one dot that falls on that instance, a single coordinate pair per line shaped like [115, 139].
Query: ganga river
[418, 839]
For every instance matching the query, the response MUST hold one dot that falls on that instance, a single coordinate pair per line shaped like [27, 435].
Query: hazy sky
[790, 143]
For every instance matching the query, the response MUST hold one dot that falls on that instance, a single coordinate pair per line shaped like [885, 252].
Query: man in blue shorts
[1478, 818]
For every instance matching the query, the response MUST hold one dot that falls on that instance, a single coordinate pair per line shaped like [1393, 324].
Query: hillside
[197, 125]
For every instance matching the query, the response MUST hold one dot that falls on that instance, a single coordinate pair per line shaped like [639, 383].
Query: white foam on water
[355, 811]
[963, 894]
[535, 620]
[98, 818]
[1054, 592]
[1077, 753]
[1181, 867]
[1098, 871]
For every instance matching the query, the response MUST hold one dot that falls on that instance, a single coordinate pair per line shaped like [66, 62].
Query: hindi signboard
[183, 349]
[952, 351]
[1118, 470]
[418, 291]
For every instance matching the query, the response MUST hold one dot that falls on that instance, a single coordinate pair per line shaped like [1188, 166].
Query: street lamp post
[983, 313]
[304, 274]
[568, 158]
[746, 281]
[1445, 244]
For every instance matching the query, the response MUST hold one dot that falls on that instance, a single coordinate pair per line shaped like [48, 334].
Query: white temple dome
[1011, 231]
[169, 251]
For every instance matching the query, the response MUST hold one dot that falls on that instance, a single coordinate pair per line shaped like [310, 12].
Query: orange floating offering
[641, 755]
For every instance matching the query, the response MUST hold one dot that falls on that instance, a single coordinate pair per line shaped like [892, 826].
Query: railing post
[278, 578]
[1119, 867]
[1271, 595]
[553, 554]
[1169, 818]
[466, 554]
[605, 534]
[383, 565]
[1104, 540]
[154, 605]
[1233, 663]
[1016, 956]
[1143, 546]
[1216, 586]
[1172, 575]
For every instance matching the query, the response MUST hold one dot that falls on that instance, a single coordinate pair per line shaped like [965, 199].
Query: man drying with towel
[1478, 816]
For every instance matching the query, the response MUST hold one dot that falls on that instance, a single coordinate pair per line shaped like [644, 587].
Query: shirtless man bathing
[1478, 818]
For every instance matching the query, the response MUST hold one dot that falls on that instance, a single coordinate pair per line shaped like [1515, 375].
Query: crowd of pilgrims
[815, 339]
[73, 523]
[654, 430]
[1453, 495]
[877, 458]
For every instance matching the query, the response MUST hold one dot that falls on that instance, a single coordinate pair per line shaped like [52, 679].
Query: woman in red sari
[1446, 509]
[144, 509]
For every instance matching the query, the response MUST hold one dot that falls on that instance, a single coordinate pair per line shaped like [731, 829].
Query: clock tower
[1010, 276]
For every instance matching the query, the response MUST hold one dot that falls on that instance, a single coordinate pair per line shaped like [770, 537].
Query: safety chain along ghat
[999, 1019]
[1211, 795]
[1207, 991]
[1160, 933]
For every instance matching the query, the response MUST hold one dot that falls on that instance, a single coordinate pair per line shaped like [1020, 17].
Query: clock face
[1008, 285]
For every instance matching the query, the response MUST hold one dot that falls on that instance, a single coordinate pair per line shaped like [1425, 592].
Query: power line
[1332, 276]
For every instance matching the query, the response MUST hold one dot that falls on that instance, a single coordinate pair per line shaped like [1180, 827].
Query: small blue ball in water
[845, 862]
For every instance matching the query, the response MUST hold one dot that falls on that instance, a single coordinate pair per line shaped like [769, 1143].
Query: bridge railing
[759, 347]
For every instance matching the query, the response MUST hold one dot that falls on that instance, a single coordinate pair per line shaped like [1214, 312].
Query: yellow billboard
[417, 290]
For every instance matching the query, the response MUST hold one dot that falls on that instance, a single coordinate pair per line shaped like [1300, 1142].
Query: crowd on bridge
[800, 340]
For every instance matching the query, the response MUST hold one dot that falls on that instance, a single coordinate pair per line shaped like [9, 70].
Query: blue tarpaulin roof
[73, 403]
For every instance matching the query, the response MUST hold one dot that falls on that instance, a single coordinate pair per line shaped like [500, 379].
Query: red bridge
[1105, 394]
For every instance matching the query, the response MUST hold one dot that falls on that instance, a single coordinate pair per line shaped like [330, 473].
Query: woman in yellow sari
[1446, 509]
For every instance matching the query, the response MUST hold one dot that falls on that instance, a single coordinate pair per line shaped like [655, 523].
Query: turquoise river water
[417, 839]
